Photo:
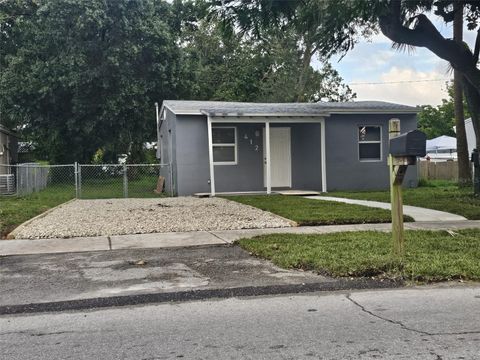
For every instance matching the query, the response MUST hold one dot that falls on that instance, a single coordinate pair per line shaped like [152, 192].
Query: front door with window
[280, 157]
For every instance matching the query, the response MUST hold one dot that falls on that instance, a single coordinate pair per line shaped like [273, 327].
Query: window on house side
[370, 143]
[224, 143]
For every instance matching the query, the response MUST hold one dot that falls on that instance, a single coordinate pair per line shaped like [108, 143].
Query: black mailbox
[412, 143]
[475, 158]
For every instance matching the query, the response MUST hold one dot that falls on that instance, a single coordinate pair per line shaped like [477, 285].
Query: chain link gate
[104, 181]
[87, 181]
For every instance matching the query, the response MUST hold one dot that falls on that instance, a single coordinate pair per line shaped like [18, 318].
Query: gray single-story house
[228, 147]
[8, 149]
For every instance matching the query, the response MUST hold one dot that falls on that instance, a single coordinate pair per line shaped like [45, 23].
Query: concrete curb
[195, 295]
[11, 235]
[195, 239]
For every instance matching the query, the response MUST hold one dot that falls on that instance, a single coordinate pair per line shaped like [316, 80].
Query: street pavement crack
[403, 326]
[399, 323]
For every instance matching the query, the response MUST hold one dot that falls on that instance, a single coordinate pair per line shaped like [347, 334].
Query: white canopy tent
[442, 143]
[442, 147]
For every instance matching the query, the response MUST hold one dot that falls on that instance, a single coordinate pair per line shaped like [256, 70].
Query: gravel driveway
[141, 216]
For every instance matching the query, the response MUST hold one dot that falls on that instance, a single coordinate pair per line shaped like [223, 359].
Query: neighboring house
[26, 151]
[220, 147]
[8, 149]
[470, 135]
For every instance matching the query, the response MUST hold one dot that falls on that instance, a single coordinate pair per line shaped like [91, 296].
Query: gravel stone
[142, 216]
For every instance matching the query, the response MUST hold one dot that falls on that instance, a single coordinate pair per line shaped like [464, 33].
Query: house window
[224, 144]
[370, 143]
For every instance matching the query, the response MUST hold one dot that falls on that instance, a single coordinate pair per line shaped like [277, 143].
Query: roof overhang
[5, 130]
[325, 113]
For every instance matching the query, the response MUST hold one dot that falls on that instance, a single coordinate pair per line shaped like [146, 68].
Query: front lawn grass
[437, 195]
[15, 210]
[430, 255]
[315, 212]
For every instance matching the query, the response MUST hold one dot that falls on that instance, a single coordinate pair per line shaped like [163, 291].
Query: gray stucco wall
[192, 155]
[9, 151]
[306, 157]
[344, 169]
[168, 151]
[247, 174]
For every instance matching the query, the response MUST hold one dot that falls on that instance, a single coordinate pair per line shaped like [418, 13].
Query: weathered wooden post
[404, 149]
[396, 200]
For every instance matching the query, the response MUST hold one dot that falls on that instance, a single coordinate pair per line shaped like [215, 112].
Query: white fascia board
[383, 111]
[326, 114]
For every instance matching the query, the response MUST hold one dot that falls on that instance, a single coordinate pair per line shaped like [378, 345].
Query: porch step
[297, 192]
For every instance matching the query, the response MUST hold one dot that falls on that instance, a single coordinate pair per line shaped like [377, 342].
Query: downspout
[323, 155]
[157, 116]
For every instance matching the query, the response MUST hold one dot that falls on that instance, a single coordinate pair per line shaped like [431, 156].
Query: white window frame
[234, 145]
[370, 142]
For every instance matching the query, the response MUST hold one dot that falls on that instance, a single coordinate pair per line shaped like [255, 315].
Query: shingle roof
[222, 108]
[7, 131]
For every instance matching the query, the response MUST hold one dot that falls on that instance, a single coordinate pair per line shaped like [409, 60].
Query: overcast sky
[376, 61]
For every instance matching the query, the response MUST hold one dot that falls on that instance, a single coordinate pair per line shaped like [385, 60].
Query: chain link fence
[85, 181]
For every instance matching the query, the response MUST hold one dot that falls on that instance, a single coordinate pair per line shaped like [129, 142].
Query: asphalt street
[420, 323]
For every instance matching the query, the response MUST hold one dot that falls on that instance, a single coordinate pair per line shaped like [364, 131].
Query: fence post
[17, 175]
[75, 172]
[125, 181]
[35, 184]
[79, 184]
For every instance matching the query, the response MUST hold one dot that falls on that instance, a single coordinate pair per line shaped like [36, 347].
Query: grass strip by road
[15, 210]
[437, 195]
[309, 212]
[431, 256]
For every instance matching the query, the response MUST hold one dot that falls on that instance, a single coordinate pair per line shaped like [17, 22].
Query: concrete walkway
[197, 238]
[417, 213]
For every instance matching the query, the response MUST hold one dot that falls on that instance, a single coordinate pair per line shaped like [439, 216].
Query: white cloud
[409, 93]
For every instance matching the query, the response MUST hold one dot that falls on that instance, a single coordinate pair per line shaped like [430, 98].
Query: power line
[397, 82]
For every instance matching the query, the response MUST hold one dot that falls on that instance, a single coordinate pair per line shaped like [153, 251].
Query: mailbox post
[476, 171]
[404, 149]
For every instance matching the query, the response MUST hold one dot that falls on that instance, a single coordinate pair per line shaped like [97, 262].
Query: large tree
[339, 24]
[81, 75]
[239, 67]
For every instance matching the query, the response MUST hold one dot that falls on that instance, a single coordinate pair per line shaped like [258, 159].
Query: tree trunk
[460, 57]
[464, 173]
[473, 102]
[302, 79]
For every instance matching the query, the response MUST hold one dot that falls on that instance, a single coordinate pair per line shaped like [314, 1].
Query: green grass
[316, 212]
[439, 195]
[430, 255]
[15, 210]
[113, 188]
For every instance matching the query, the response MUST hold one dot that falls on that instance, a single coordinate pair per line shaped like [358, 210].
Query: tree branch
[424, 34]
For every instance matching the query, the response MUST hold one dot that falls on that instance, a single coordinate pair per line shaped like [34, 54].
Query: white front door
[280, 157]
